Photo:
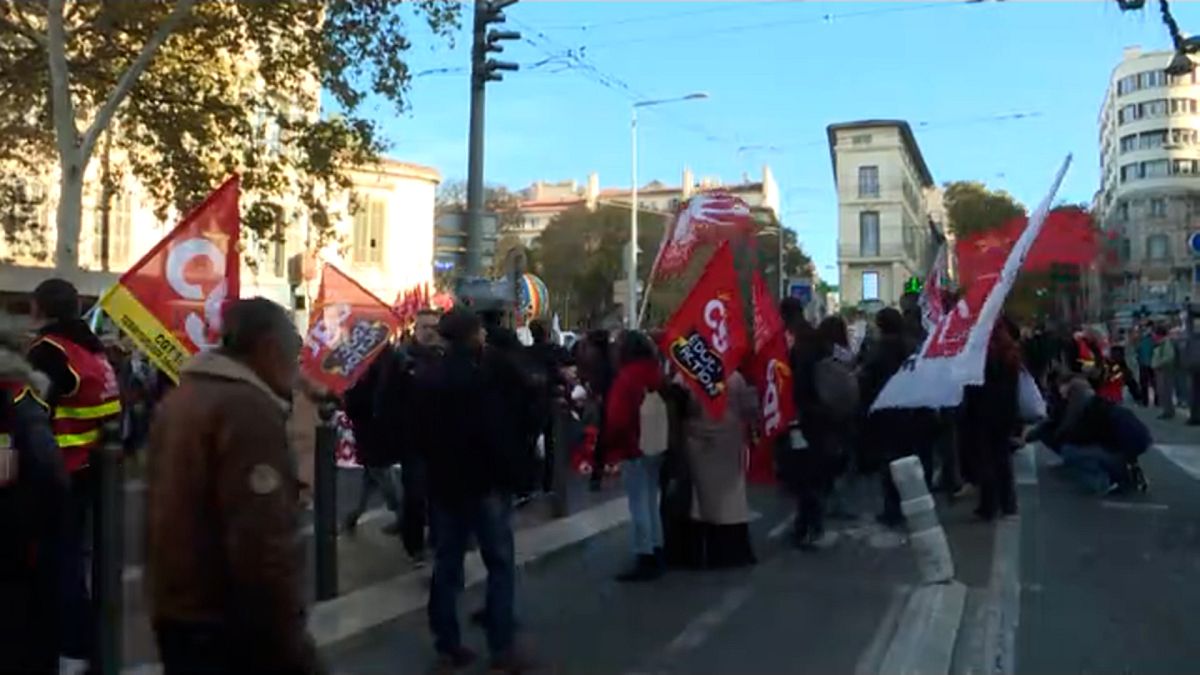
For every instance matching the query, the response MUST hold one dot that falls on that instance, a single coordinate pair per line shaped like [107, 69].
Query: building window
[1152, 139]
[1183, 166]
[1158, 247]
[1125, 250]
[120, 232]
[1158, 208]
[1156, 168]
[1128, 114]
[868, 233]
[369, 221]
[1183, 106]
[1183, 136]
[868, 181]
[1123, 211]
[1128, 143]
[861, 139]
[279, 247]
[870, 285]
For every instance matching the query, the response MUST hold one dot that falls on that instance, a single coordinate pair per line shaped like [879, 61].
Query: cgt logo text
[717, 319]
[698, 361]
[776, 378]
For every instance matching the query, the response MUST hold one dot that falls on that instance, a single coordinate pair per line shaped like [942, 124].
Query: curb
[927, 631]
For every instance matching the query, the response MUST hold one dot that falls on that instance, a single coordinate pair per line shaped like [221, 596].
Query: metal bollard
[560, 504]
[325, 504]
[108, 554]
[934, 561]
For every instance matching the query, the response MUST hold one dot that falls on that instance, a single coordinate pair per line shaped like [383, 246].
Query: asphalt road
[1110, 585]
[793, 612]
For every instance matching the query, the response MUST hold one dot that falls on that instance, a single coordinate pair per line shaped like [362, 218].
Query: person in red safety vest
[83, 395]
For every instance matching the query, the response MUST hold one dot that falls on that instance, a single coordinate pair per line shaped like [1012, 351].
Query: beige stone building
[886, 200]
[545, 200]
[386, 243]
[1149, 197]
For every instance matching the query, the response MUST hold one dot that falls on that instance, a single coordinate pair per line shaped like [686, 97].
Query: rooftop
[906, 136]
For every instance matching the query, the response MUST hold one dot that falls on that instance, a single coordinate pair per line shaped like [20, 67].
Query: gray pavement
[1084, 584]
[793, 612]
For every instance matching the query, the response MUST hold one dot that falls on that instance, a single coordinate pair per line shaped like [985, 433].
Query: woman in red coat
[636, 435]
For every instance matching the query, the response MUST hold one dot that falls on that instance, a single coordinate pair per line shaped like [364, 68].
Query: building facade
[386, 241]
[542, 201]
[1149, 198]
[886, 200]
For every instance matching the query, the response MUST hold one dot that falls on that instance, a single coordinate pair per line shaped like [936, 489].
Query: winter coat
[223, 507]
[474, 430]
[622, 432]
[716, 453]
[376, 448]
[1164, 355]
[991, 408]
[31, 522]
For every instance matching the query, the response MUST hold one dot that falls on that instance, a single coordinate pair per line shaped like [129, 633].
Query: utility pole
[483, 70]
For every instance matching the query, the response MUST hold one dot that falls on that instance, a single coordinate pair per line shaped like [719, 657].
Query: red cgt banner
[170, 302]
[772, 376]
[348, 329]
[708, 217]
[706, 337]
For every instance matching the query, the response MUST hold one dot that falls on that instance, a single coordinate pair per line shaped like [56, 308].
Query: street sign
[1194, 243]
[801, 289]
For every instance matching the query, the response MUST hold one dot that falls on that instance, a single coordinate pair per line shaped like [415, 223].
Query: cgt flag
[772, 378]
[348, 329]
[954, 354]
[706, 337]
[170, 301]
[707, 218]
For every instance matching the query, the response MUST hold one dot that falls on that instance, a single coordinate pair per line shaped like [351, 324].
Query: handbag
[1031, 407]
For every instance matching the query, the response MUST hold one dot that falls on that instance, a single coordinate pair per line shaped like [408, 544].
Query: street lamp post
[631, 304]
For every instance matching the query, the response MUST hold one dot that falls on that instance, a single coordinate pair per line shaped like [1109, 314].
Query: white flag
[955, 351]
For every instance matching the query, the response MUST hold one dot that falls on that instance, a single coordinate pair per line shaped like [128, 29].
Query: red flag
[708, 217]
[1067, 238]
[348, 329]
[706, 337]
[772, 377]
[170, 301]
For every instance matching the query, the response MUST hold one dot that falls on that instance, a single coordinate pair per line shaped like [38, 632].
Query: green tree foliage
[971, 207]
[580, 255]
[194, 91]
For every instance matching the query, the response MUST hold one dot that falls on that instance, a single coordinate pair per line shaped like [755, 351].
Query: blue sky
[777, 73]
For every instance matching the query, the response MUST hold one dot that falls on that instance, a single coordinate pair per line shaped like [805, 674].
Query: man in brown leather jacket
[225, 568]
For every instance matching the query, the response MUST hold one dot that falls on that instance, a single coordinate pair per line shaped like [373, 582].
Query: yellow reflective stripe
[88, 413]
[76, 440]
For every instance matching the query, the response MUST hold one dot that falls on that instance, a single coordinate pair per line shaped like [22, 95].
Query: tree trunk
[70, 216]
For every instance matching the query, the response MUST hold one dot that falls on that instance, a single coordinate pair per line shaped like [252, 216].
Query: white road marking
[872, 657]
[779, 530]
[1003, 607]
[1186, 457]
[1134, 506]
[698, 631]
[1025, 464]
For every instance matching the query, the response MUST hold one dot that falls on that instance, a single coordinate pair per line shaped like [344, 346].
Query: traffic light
[484, 69]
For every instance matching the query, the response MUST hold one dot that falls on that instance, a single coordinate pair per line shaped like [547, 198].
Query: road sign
[801, 289]
[1194, 243]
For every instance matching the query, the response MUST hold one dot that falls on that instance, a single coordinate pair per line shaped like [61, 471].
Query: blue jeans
[641, 486]
[489, 518]
[1092, 467]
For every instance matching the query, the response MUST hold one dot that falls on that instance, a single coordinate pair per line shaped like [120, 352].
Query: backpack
[837, 388]
[655, 436]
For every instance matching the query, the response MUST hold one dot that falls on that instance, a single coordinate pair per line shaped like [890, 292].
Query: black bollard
[108, 554]
[325, 505]
[561, 431]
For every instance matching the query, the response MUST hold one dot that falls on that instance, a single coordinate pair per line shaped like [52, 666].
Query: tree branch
[62, 108]
[117, 95]
[19, 25]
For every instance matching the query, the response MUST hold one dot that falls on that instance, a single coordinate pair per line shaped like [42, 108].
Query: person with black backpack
[375, 451]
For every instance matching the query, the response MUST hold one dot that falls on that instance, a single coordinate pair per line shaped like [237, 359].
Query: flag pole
[654, 272]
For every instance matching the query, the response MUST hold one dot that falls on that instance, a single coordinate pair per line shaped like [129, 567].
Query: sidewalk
[374, 570]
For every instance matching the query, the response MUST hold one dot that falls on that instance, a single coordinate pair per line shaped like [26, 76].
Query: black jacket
[465, 404]
[370, 431]
[31, 520]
